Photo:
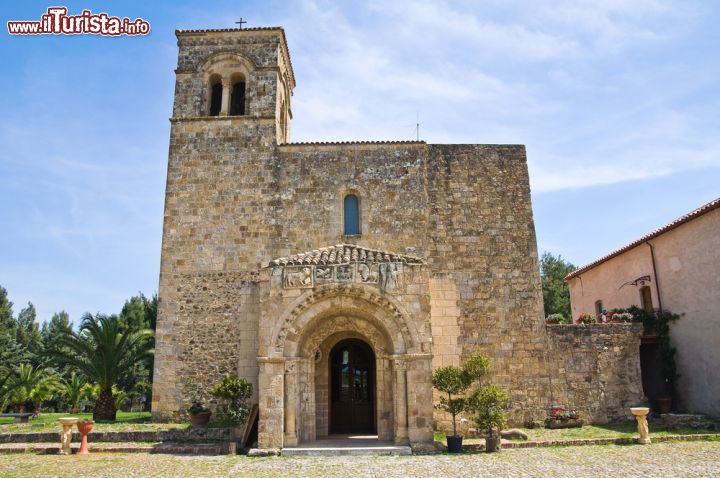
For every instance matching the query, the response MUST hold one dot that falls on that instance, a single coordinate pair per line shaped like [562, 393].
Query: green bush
[233, 393]
[488, 405]
[455, 380]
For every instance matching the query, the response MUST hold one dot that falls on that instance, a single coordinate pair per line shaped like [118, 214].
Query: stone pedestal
[642, 424]
[66, 434]
[84, 427]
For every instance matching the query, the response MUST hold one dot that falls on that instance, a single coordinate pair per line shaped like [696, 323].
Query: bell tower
[235, 74]
[231, 110]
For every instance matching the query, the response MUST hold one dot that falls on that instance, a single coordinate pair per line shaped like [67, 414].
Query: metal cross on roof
[241, 23]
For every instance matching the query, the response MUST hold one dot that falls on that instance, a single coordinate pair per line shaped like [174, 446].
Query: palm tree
[32, 384]
[103, 353]
[72, 389]
[6, 388]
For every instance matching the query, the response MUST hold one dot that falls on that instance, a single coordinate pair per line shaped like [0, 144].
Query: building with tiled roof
[677, 268]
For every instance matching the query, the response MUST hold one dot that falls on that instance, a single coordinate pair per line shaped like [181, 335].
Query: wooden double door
[352, 388]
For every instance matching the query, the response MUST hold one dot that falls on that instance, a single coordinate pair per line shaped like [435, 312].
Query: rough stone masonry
[259, 279]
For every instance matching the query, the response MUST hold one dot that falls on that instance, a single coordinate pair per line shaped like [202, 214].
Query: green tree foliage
[6, 388]
[455, 380]
[488, 405]
[105, 354]
[72, 390]
[32, 384]
[27, 334]
[556, 294]
[52, 333]
[10, 352]
[233, 393]
[139, 313]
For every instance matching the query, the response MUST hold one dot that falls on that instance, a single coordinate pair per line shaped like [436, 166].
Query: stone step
[169, 448]
[347, 451]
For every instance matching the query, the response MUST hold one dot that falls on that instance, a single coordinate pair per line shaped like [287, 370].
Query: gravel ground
[688, 459]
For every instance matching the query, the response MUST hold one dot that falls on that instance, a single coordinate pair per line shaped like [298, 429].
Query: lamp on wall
[639, 281]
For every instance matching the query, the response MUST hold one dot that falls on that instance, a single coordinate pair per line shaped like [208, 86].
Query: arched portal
[308, 389]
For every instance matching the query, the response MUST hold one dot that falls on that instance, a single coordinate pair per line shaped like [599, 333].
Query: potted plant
[556, 319]
[622, 317]
[84, 427]
[199, 412]
[561, 417]
[586, 318]
[488, 405]
[454, 381]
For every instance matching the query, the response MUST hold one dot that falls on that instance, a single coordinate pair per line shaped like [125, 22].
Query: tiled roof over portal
[343, 254]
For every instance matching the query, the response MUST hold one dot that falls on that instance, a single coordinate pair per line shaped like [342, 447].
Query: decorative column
[400, 386]
[271, 395]
[642, 424]
[306, 393]
[225, 103]
[292, 370]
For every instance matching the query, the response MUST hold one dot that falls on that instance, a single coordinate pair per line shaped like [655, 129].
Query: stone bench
[19, 417]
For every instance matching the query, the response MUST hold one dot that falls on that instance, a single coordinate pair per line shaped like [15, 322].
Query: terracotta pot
[84, 427]
[454, 443]
[663, 404]
[200, 419]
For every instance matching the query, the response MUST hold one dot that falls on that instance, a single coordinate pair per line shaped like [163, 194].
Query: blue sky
[617, 102]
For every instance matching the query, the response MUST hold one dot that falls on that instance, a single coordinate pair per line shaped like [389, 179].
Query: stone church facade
[336, 276]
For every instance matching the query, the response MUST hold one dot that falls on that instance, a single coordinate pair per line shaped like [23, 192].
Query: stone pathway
[677, 459]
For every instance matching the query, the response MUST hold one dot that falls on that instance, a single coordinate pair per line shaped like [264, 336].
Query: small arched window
[237, 99]
[352, 215]
[215, 98]
[598, 308]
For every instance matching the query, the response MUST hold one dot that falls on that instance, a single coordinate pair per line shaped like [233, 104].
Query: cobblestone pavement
[689, 459]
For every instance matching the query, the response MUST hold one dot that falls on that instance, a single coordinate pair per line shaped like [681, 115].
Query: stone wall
[483, 255]
[595, 369]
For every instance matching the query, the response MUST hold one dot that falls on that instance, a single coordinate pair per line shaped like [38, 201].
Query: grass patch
[126, 421]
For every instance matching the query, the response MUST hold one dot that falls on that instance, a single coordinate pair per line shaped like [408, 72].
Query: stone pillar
[419, 397]
[292, 402]
[306, 424]
[225, 103]
[271, 395]
[400, 402]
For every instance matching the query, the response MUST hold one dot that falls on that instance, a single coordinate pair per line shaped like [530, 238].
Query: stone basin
[639, 411]
[68, 421]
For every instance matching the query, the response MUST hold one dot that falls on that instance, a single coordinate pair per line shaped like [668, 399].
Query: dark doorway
[352, 387]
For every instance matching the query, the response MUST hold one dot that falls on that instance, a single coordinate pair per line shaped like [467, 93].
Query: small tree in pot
[455, 381]
[199, 412]
[488, 406]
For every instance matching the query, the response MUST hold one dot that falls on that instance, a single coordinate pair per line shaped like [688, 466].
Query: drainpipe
[657, 281]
